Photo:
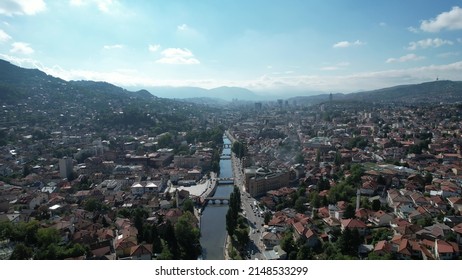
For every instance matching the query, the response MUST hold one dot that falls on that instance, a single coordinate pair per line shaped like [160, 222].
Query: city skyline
[266, 46]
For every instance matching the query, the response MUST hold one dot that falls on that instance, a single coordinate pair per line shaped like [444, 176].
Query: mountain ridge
[17, 83]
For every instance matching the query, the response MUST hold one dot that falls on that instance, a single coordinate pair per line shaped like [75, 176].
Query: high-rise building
[258, 106]
[65, 167]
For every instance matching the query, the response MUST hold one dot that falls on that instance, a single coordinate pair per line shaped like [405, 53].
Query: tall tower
[358, 199]
[65, 167]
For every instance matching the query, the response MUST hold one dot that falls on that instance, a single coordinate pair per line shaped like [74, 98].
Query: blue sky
[266, 46]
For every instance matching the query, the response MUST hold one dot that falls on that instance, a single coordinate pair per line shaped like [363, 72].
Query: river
[213, 220]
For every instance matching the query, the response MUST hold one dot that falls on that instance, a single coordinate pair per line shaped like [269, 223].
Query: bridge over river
[209, 196]
[216, 200]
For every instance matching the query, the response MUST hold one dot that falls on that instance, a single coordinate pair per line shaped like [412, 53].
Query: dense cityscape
[91, 171]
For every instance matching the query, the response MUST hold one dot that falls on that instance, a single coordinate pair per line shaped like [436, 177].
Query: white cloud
[451, 20]
[21, 48]
[330, 68]
[105, 6]
[428, 43]
[346, 44]
[354, 82]
[448, 54]
[153, 48]
[76, 2]
[113, 47]
[405, 58]
[383, 24]
[4, 36]
[21, 7]
[266, 83]
[182, 27]
[177, 56]
[22, 61]
[413, 29]
[335, 67]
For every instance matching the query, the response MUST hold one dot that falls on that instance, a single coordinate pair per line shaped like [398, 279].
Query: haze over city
[265, 46]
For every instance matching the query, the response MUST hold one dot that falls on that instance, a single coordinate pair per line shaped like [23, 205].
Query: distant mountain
[206, 101]
[230, 93]
[33, 98]
[316, 99]
[224, 93]
[178, 92]
[430, 92]
[107, 88]
[18, 84]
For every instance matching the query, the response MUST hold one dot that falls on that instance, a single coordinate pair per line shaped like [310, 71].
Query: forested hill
[425, 93]
[33, 97]
[430, 92]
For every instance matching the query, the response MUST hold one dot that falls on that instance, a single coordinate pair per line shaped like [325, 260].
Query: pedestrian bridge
[225, 181]
[217, 200]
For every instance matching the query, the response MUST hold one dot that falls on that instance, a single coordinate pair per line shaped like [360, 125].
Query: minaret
[177, 197]
[358, 199]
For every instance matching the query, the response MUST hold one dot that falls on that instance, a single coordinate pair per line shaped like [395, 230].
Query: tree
[168, 234]
[381, 180]
[338, 159]
[349, 211]
[267, 218]
[300, 205]
[166, 254]
[357, 172]
[233, 211]
[187, 237]
[315, 200]
[21, 252]
[156, 241]
[323, 184]
[299, 159]
[425, 221]
[140, 216]
[74, 251]
[91, 205]
[348, 242]
[166, 140]
[376, 205]
[239, 149]
[47, 236]
[188, 205]
[287, 242]
[428, 178]
[242, 237]
[381, 234]
[305, 253]
[231, 222]
[30, 232]
[26, 170]
[341, 191]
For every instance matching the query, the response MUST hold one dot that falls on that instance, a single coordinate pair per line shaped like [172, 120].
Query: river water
[213, 220]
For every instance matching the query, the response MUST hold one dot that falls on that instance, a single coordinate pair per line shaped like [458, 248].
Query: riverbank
[213, 226]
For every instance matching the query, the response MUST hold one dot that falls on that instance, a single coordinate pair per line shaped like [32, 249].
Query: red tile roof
[353, 223]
